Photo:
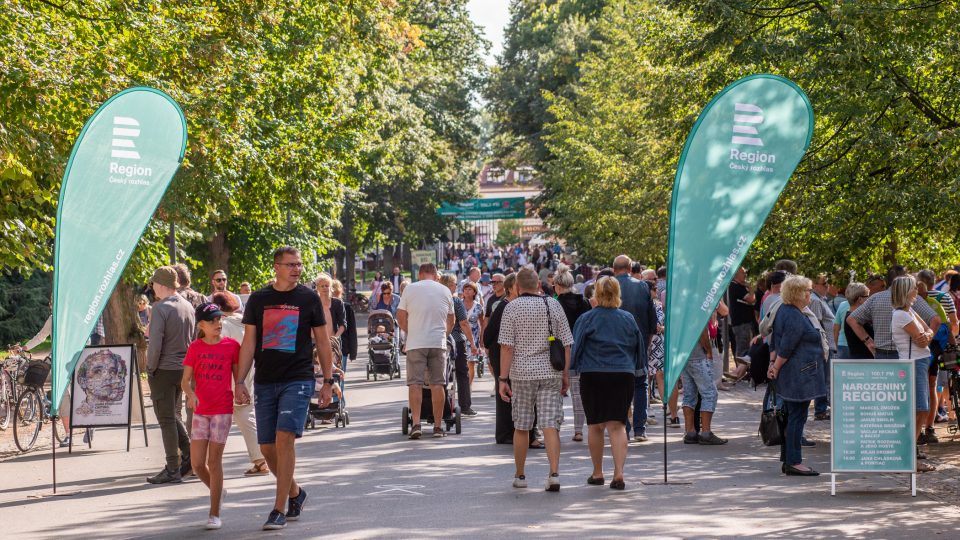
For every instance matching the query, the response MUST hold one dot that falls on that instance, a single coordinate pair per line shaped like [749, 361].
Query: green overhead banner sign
[737, 159]
[118, 171]
[507, 208]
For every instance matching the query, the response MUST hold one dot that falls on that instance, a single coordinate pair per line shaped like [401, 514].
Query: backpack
[759, 362]
[766, 325]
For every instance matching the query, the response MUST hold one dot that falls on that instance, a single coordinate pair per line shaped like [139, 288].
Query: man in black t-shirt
[279, 322]
[741, 302]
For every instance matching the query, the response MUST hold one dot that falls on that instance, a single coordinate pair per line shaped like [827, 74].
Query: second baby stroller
[451, 411]
[383, 345]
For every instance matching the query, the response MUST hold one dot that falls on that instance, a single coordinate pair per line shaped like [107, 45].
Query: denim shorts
[921, 369]
[698, 379]
[281, 407]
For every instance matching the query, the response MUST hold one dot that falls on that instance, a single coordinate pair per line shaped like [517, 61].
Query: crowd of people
[791, 326]
[547, 330]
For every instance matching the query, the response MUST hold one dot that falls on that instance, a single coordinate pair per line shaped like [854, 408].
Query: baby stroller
[451, 411]
[383, 348]
[336, 410]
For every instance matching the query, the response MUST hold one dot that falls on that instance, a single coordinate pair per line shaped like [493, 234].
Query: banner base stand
[49, 494]
[665, 483]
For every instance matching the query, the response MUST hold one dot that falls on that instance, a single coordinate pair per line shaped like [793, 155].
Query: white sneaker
[640, 438]
[552, 483]
[520, 482]
[651, 421]
[213, 522]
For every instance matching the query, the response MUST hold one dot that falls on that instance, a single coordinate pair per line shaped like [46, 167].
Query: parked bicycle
[33, 408]
[358, 301]
[11, 370]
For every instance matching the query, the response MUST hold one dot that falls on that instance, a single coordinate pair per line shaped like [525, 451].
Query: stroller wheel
[346, 419]
[368, 374]
[457, 420]
[404, 422]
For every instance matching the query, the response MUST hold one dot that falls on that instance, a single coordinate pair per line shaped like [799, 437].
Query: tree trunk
[219, 251]
[172, 243]
[890, 250]
[120, 315]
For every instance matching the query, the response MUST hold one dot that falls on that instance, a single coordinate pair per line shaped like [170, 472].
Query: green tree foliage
[543, 44]
[508, 232]
[291, 108]
[878, 185]
[18, 322]
[425, 149]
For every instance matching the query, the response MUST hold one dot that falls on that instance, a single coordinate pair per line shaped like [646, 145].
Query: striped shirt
[878, 311]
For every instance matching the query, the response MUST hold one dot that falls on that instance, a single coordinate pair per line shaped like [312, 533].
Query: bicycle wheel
[27, 421]
[7, 398]
[58, 432]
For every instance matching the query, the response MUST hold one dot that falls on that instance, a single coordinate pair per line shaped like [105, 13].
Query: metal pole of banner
[664, 439]
[53, 446]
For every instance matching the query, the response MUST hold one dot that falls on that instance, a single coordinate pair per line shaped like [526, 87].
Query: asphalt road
[369, 481]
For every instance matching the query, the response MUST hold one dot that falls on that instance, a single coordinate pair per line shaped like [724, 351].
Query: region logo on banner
[126, 130]
[746, 118]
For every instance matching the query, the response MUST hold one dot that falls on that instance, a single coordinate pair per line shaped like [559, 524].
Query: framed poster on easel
[102, 390]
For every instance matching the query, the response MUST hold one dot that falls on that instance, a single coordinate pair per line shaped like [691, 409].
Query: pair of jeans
[281, 407]
[698, 380]
[165, 392]
[822, 403]
[639, 406]
[790, 450]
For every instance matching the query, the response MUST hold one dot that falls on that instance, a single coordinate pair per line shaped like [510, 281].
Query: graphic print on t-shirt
[280, 327]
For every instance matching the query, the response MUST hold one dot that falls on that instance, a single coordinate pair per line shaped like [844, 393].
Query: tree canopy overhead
[878, 184]
[295, 111]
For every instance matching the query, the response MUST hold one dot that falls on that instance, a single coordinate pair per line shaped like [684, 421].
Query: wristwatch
[504, 379]
[328, 381]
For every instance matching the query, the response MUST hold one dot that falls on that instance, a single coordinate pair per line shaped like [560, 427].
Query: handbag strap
[549, 316]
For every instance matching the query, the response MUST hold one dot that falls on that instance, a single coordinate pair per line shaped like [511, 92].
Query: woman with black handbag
[801, 349]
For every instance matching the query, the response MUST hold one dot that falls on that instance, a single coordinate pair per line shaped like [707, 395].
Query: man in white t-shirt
[426, 315]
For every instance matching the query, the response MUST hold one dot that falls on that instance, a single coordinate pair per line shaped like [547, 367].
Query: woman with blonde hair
[474, 308]
[912, 337]
[608, 354]
[798, 372]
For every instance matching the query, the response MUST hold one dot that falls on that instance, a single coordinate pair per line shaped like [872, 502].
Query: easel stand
[666, 481]
[913, 484]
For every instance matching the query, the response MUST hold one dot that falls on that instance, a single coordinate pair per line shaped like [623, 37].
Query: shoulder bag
[772, 419]
[557, 357]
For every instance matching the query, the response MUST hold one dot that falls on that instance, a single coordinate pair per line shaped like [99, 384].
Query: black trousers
[504, 411]
[463, 376]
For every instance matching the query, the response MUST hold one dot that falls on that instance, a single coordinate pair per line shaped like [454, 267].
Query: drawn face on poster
[101, 387]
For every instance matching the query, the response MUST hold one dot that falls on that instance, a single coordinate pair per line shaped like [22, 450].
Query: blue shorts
[281, 407]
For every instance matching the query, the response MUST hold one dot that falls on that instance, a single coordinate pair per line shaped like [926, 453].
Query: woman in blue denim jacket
[798, 371]
[608, 354]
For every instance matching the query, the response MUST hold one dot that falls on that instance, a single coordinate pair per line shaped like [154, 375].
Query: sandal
[578, 437]
[536, 443]
[258, 469]
[617, 484]
[595, 481]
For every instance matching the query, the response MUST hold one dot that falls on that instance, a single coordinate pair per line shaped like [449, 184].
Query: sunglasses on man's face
[220, 279]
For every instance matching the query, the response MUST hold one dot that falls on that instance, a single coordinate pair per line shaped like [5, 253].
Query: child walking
[211, 364]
